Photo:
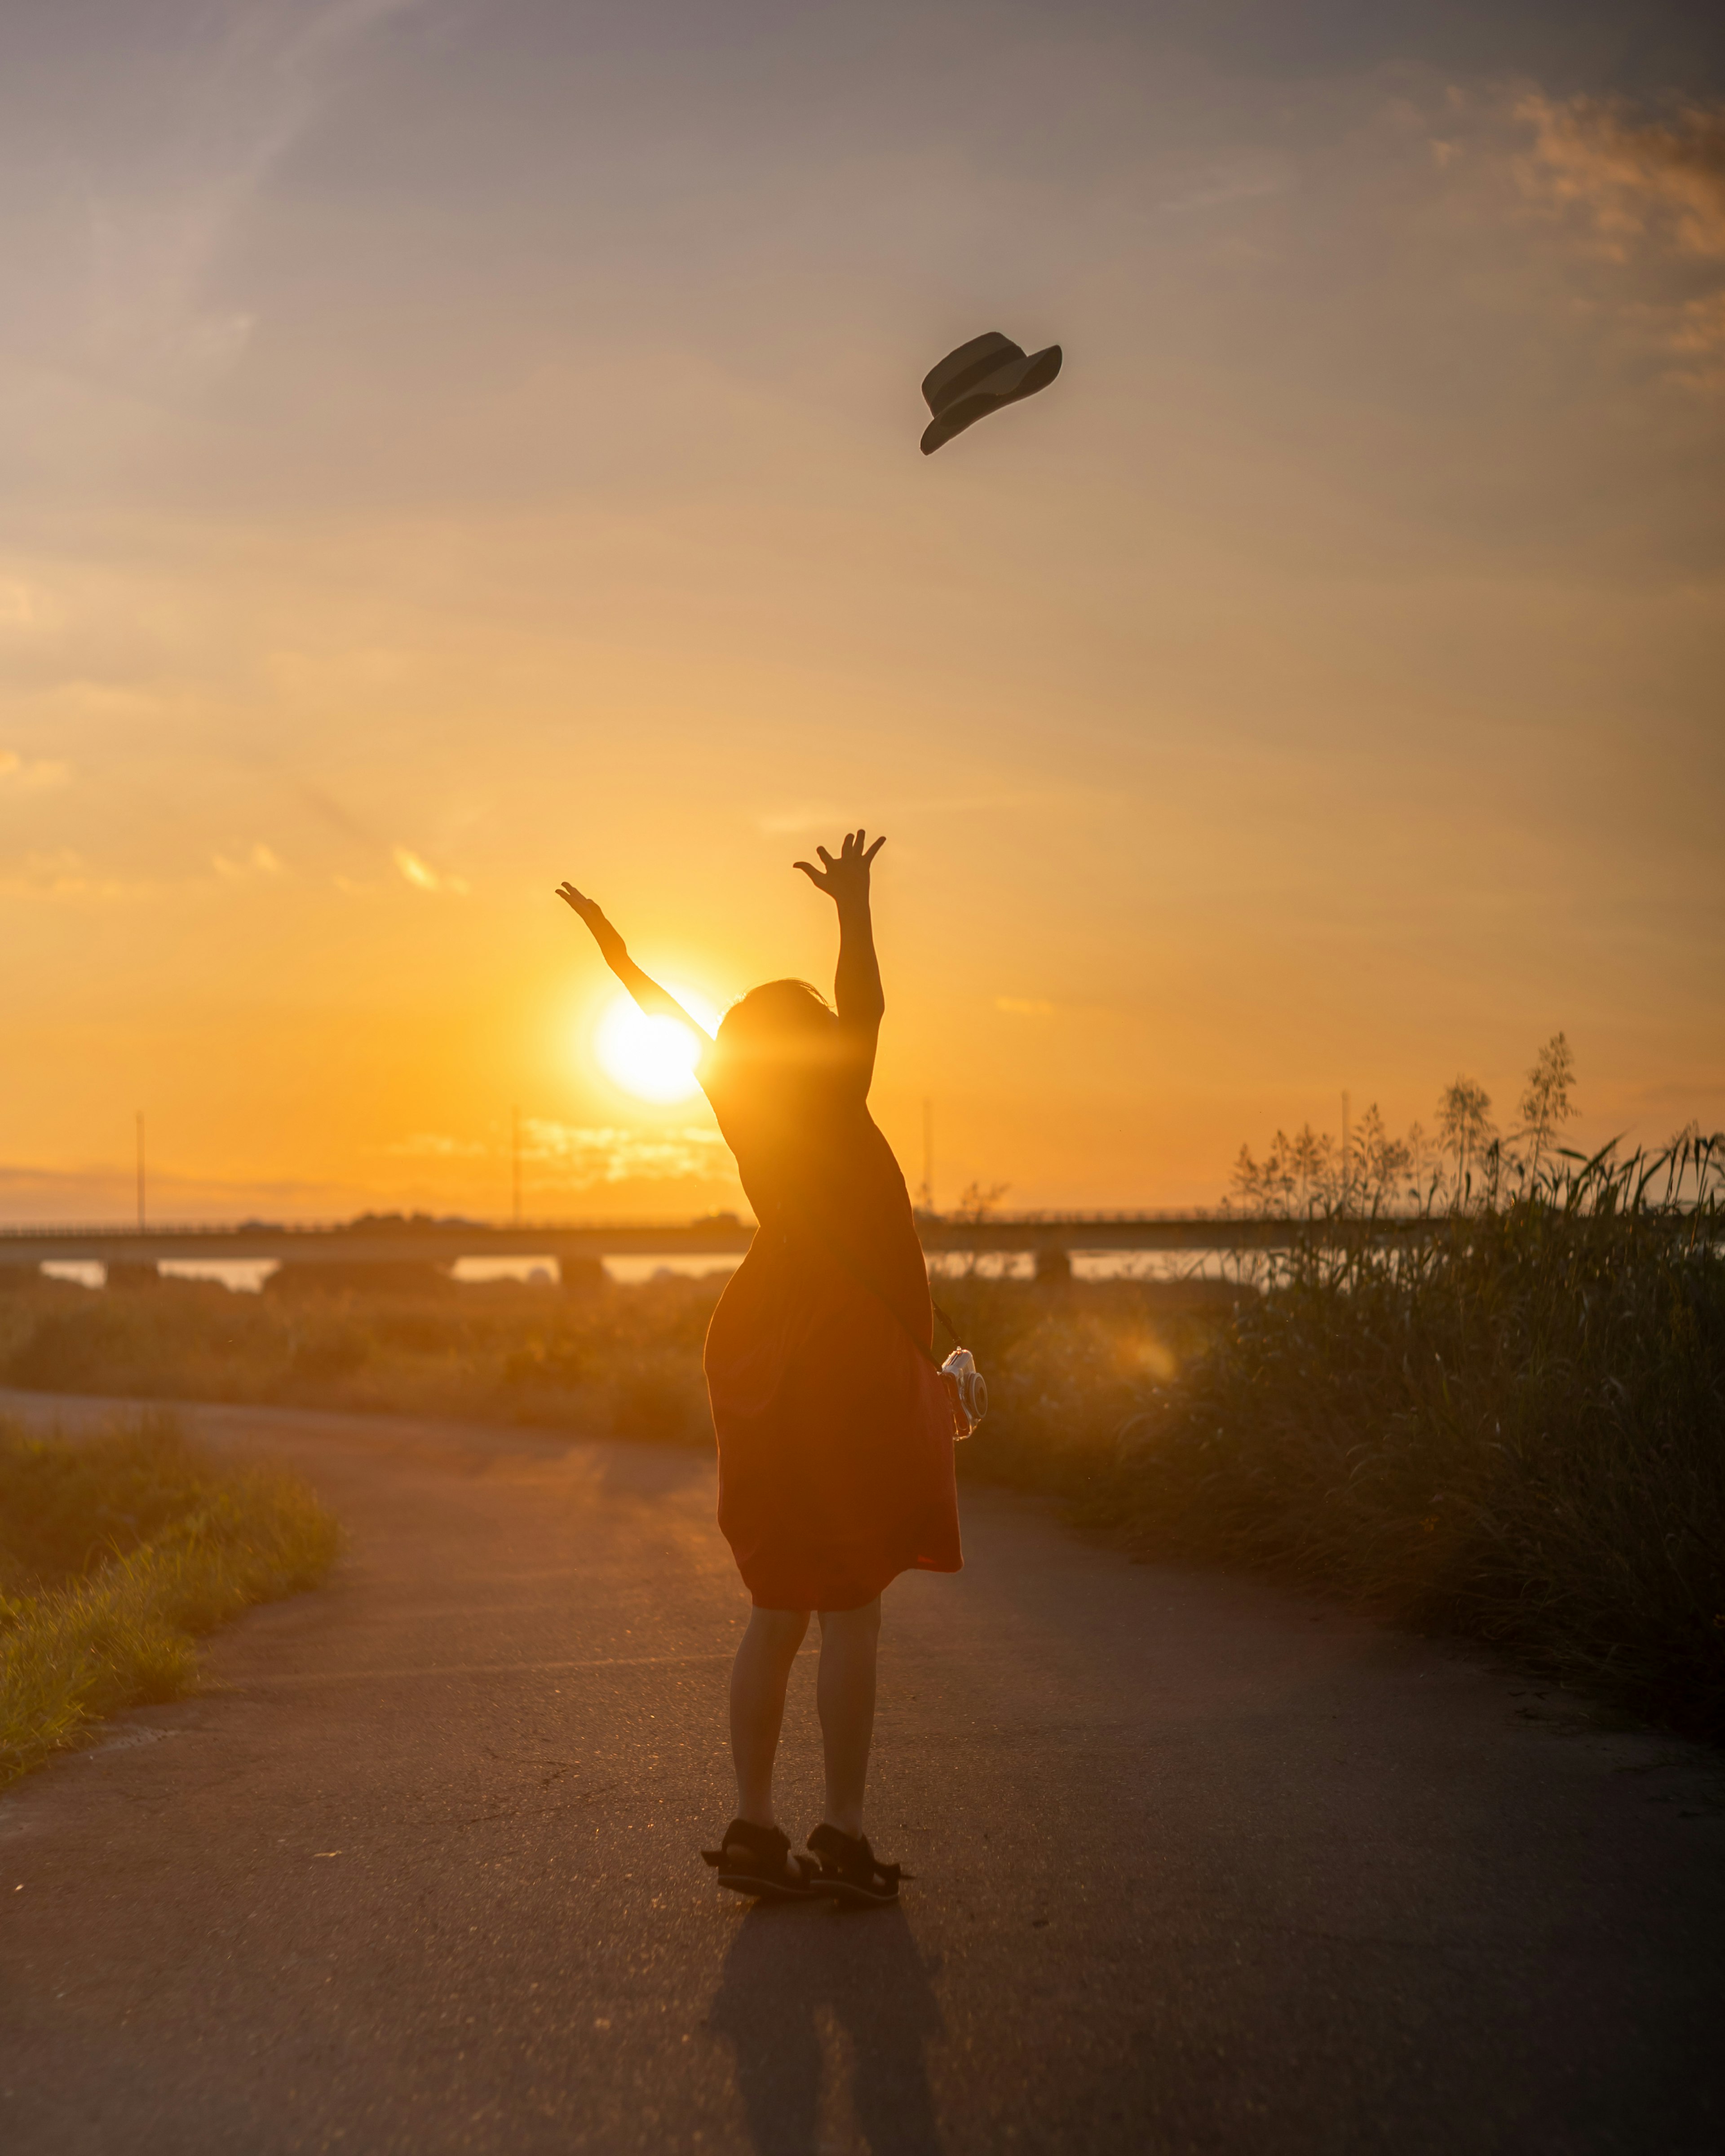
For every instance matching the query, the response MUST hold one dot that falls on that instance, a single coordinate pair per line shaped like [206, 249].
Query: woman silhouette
[836, 1432]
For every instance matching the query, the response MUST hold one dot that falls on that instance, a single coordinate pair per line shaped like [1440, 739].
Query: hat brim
[1018, 378]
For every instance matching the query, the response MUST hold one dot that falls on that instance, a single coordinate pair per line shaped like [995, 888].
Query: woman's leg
[758, 1677]
[846, 1695]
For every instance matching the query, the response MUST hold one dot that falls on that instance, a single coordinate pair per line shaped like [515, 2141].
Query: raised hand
[611, 944]
[844, 880]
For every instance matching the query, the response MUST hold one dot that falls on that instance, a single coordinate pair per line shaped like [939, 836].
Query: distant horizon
[113, 1193]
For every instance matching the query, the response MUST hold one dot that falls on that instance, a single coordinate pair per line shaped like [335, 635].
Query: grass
[1512, 1428]
[626, 1360]
[1064, 1364]
[1067, 1364]
[116, 1553]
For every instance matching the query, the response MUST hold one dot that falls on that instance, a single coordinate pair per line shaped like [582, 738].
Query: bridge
[396, 1239]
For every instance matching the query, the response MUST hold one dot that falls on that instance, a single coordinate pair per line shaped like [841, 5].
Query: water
[247, 1275]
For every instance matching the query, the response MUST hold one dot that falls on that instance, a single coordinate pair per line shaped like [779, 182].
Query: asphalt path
[1198, 1866]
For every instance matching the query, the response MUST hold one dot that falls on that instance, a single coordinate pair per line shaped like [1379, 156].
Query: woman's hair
[784, 1024]
[777, 1051]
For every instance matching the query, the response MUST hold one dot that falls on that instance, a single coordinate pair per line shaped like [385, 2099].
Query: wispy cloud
[105, 1190]
[1242, 180]
[419, 872]
[573, 1156]
[436, 1145]
[146, 245]
[1635, 181]
[28, 609]
[261, 860]
[580, 1156]
[1647, 196]
[21, 775]
[64, 876]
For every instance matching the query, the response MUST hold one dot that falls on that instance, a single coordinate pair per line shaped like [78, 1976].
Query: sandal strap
[851, 1857]
[763, 1843]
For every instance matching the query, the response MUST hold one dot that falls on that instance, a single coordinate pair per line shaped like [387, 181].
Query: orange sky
[445, 448]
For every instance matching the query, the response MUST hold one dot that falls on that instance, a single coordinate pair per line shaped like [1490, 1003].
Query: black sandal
[850, 1871]
[751, 1859]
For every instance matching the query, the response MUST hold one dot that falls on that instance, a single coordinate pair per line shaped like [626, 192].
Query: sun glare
[653, 1058]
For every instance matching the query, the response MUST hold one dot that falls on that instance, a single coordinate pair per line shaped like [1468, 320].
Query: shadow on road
[789, 1969]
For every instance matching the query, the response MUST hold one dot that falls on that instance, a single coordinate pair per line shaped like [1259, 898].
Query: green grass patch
[117, 1553]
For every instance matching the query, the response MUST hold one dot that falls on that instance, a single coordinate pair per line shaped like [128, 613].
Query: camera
[969, 1390]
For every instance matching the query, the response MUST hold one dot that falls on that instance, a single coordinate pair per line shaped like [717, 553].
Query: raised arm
[656, 1001]
[856, 985]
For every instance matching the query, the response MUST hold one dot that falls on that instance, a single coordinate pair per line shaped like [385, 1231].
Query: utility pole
[515, 1128]
[927, 1155]
[140, 1171]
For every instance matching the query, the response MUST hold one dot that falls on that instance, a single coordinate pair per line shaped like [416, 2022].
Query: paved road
[1199, 1867]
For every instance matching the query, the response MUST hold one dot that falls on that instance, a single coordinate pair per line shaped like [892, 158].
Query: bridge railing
[383, 1240]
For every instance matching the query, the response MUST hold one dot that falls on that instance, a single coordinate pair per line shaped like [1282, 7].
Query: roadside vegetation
[600, 1359]
[1480, 1389]
[116, 1551]
[1065, 1365]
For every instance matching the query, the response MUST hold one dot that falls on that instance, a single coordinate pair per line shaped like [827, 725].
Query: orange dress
[835, 1436]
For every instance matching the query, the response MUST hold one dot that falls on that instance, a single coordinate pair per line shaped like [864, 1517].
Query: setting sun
[654, 1057]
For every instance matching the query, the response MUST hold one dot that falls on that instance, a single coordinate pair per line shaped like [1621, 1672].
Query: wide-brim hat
[977, 379]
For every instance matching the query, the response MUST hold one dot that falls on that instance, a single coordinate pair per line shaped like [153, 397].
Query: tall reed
[1509, 1422]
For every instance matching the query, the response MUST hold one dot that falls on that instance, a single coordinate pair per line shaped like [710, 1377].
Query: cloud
[1648, 195]
[261, 860]
[1656, 183]
[28, 609]
[435, 1145]
[587, 1157]
[423, 877]
[1242, 181]
[19, 775]
[64, 874]
[137, 244]
[572, 1155]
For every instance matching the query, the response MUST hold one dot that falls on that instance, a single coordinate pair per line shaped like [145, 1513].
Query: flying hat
[977, 379]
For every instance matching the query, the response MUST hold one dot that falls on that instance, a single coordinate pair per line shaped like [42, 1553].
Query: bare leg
[846, 1695]
[758, 1677]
